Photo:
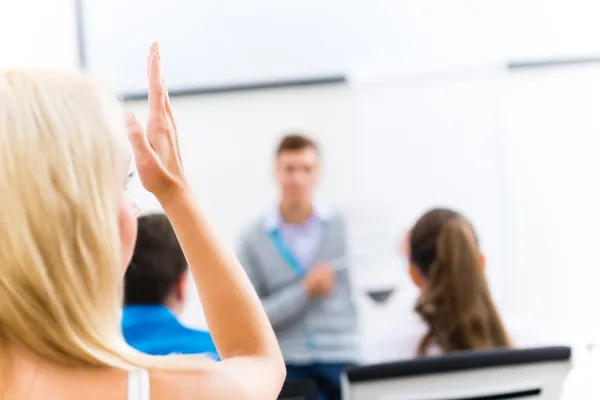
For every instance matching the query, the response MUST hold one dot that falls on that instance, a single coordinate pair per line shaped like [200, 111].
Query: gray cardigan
[308, 330]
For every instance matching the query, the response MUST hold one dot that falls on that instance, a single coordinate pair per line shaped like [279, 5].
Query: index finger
[156, 88]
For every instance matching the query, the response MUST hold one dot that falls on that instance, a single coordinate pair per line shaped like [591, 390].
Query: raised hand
[156, 148]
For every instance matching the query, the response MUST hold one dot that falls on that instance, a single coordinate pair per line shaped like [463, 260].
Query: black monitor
[299, 390]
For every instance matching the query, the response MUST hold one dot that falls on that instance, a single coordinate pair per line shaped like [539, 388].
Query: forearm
[236, 319]
[287, 304]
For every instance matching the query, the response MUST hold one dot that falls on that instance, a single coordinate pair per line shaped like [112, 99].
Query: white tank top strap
[138, 385]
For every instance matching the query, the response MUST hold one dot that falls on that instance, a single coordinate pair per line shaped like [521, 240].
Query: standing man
[295, 256]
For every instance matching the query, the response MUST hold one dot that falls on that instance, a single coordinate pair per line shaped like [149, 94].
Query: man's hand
[320, 280]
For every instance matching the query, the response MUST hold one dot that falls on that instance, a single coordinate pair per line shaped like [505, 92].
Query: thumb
[137, 138]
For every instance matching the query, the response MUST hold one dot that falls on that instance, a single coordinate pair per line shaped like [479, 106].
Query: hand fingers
[326, 268]
[137, 138]
[156, 87]
[148, 57]
[169, 110]
[325, 276]
[173, 125]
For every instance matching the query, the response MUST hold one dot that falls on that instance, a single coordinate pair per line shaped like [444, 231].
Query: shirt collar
[135, 314]
[272, 219]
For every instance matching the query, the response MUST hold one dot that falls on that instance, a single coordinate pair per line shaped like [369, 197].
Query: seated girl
[454, 310]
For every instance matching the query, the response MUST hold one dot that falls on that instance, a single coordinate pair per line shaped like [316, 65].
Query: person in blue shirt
[155, 287]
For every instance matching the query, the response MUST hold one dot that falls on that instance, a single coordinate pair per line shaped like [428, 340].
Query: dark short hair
[157, 264]
[295, 142]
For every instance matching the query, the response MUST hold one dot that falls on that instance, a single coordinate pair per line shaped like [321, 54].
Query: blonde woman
[67, 231]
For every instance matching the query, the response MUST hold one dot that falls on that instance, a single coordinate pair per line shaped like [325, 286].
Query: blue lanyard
[286, 253]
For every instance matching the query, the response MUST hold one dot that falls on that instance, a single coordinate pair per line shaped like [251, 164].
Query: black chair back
[299, 390]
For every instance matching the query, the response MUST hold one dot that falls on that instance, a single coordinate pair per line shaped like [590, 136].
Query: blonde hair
[63, 167]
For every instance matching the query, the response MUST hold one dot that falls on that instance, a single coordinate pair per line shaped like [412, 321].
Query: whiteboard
[445, 34]
[210, 43]
[552, 29]
[221, 43]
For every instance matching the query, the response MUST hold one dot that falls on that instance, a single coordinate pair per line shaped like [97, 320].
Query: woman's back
[67, 232]
[34, 378]
[401, 337]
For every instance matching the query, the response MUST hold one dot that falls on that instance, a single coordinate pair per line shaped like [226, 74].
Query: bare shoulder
[239, 378]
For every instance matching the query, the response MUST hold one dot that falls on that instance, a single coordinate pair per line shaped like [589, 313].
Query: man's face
[297, 172]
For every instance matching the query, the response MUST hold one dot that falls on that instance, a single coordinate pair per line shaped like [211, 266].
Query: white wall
[552, 125]
[36, 33]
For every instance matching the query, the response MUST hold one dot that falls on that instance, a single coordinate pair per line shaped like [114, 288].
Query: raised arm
[252, 360]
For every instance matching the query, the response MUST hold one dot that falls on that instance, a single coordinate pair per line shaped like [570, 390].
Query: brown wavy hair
[455, 301]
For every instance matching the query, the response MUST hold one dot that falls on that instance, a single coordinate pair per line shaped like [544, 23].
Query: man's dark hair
[295, 142]
[157, 264]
